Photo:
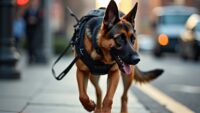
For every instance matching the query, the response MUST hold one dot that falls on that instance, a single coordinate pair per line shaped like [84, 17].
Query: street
[180, 80]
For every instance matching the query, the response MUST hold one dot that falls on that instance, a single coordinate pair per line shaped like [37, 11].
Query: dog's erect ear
[111, 15]
[130, 17]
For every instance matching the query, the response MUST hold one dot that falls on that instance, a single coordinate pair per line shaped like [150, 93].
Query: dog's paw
[90, 106]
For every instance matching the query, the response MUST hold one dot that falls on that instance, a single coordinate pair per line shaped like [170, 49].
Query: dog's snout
[134, 59]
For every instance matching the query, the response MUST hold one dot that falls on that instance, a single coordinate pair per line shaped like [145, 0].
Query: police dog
[116, 38]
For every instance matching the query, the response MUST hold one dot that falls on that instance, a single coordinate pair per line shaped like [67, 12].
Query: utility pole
[8, 54]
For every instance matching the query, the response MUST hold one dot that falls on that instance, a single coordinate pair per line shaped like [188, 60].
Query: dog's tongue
[127, 69]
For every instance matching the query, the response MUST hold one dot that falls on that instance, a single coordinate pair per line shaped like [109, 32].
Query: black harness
[96, 67]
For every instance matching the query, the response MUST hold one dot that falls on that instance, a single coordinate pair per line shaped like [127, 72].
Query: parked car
[169, 27]
[190, 39]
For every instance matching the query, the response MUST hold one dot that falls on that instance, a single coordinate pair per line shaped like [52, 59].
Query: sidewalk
[38, 92]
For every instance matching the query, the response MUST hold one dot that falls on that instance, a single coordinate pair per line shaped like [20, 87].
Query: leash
[72, 42]
[66, 70]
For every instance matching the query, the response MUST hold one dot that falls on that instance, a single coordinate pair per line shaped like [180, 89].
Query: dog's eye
[120, 41]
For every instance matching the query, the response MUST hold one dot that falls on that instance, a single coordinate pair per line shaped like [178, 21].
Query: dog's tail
[147, 76]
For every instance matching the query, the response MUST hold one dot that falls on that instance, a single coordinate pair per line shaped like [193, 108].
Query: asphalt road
[180, 81]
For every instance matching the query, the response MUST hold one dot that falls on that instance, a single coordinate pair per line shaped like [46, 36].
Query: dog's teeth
[120, 60]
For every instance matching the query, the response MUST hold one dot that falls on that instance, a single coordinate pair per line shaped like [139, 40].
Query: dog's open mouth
[125, 68]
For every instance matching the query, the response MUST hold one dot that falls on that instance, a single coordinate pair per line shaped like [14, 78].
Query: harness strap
[94, 41]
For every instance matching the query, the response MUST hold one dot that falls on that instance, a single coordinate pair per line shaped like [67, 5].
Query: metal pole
[8, 53]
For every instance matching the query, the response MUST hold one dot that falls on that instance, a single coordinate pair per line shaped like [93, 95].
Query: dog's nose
[135, 59]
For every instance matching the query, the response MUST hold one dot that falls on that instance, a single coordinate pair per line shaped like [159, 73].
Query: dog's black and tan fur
[115, 32]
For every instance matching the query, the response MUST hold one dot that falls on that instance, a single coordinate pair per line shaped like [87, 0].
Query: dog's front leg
[95, 82]
[82, 79]
[127, 81]
[113, 80]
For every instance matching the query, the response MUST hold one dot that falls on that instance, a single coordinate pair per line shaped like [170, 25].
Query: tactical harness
[96, 67]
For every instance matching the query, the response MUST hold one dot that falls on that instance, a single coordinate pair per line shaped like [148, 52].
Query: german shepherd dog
[117, 41]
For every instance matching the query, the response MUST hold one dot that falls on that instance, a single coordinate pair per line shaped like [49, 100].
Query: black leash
[72, 42]
[61, 75]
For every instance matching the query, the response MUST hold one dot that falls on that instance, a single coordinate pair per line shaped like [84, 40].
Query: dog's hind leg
[82, 79]
[95, 82]
[127, 81]
[113, 80]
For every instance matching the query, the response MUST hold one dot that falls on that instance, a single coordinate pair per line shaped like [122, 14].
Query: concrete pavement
[38, 92]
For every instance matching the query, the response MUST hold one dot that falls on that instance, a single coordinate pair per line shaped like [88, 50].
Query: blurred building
[80, 8]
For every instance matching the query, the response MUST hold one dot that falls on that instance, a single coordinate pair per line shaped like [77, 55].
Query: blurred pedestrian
[32, 19]
[18, 30]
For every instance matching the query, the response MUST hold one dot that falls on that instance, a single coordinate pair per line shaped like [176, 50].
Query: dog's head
[117, 38]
